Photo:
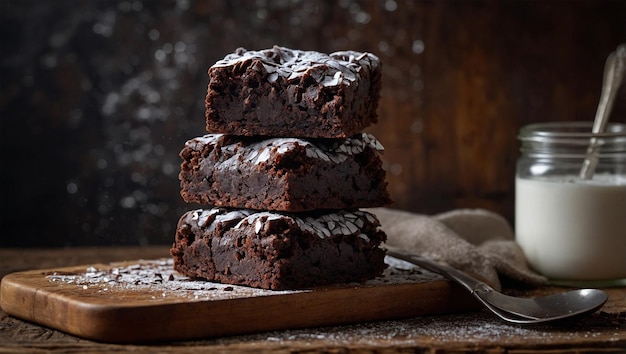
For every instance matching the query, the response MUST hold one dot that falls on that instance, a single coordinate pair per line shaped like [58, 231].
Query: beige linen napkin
[476, 241]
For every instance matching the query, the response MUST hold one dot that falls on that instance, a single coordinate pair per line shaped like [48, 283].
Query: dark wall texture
[98, 97]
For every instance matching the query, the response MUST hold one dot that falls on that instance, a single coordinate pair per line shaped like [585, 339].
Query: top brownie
[293, 93]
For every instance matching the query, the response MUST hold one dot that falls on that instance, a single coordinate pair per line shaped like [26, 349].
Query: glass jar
[571, 228]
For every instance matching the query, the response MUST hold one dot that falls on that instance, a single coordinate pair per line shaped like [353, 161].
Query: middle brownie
[283, 174]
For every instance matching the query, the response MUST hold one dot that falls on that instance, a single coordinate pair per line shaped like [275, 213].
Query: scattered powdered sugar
[463, 331]
[458, 328]
[157, 280]
[154, 278]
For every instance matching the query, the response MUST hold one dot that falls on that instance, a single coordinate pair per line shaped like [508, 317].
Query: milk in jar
[571, 228]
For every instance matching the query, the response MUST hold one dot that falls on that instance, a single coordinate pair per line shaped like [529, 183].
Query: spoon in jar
[516, 309]
[613, 74]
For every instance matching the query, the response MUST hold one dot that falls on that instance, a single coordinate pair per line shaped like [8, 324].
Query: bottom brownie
[278, 251]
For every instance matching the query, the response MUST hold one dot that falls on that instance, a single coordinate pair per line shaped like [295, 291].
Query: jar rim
[570, 129]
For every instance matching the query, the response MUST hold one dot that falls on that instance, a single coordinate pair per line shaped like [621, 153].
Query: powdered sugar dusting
[461, 331]
[340, 222]
[158, 281]
[260, 150]
[157, 278]
[292, 65]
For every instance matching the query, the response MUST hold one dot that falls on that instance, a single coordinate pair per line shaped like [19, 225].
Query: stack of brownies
[284, 171]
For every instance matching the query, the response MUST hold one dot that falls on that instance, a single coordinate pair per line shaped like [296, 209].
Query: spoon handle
[470, 283]
[613, 74]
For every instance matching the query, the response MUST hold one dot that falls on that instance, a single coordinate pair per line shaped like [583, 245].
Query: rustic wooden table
[478, 331]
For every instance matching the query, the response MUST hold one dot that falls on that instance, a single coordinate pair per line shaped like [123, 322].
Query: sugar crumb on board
[159, 279]
[154, 277]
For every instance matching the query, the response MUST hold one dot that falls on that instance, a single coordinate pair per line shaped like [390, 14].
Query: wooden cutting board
[146, 300]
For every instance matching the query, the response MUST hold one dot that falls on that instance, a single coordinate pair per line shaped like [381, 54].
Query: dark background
[98, 97]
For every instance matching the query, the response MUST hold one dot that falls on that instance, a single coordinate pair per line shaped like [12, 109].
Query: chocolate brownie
[295, 93]
[278, 251]
[283, 174]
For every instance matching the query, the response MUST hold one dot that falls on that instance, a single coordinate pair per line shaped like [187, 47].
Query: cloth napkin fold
[476, 241]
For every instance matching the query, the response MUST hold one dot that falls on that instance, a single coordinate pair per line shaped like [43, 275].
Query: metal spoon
[613, 74]
[515, 309]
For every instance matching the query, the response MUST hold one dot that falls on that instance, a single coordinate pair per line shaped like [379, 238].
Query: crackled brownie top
[342, 222]
[333, 150]
[291, 64]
